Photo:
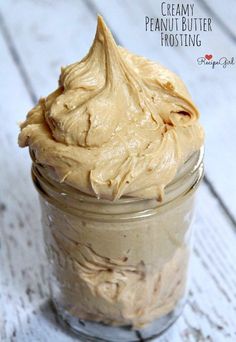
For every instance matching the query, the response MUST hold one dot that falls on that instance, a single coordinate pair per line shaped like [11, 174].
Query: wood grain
[223, 15]
[35, 41]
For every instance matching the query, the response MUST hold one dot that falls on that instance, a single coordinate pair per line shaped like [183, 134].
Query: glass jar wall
[118, 268]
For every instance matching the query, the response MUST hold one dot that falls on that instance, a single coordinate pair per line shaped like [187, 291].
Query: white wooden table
[36, 38]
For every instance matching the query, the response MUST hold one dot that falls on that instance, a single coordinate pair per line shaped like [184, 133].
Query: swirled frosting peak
[118, 124]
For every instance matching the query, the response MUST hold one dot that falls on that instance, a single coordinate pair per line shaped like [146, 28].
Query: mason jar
[118, 269]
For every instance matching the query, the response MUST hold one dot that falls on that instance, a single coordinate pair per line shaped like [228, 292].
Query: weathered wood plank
[224, 15]
[20, 278]
[25, 313]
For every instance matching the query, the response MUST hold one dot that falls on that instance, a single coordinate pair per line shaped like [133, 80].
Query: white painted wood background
[36, 38]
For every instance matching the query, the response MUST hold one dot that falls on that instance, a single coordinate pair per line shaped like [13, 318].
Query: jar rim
[190, 173]
[190, 166]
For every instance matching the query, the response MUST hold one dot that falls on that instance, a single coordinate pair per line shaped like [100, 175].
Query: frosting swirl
[117, 125]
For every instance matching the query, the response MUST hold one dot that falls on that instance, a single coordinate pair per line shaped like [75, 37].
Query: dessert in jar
[116, 158]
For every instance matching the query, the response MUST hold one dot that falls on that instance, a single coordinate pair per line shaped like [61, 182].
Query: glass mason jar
[118, 269]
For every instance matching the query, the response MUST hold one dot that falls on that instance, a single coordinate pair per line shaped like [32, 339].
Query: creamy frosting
[117, 125]
[118, 272]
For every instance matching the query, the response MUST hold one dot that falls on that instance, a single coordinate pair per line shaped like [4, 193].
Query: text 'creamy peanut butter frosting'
[118, 124]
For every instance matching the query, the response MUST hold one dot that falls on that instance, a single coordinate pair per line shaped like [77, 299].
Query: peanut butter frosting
[117, 125]
[119, 273]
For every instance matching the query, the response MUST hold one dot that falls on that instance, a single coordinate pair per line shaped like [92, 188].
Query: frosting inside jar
[118, 125]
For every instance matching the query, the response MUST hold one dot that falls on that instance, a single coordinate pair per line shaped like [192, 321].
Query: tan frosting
[119, 273]
[117, 125]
